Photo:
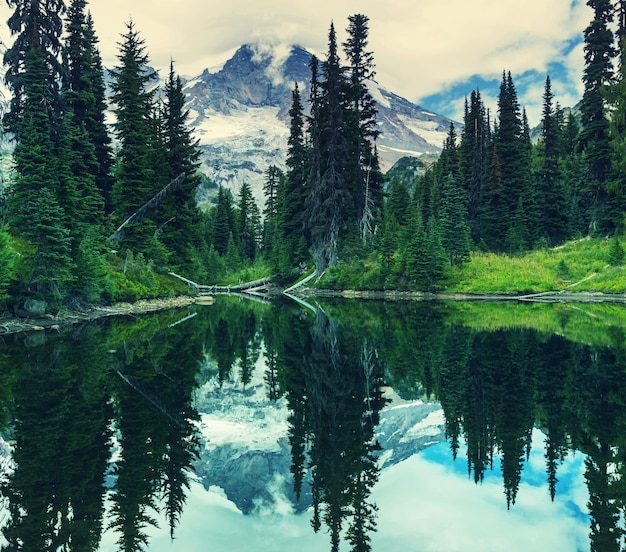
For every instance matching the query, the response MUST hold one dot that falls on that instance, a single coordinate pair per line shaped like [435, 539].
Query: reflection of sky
[426, 503]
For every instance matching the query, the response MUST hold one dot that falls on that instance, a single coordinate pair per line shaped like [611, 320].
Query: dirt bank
[11, 324]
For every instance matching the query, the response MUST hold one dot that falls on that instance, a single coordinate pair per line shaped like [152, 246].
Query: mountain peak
[241, 115]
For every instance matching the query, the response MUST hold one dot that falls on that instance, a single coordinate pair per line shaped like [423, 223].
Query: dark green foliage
[7, 262]
[330, 198]
[248, 223]
[36, 26]
[616, 252]
[508, 181]
[599, 51]
[180, 227]
[455, 232]
[141, 171]
[344, 201]
[551, 192]
[473, 153]
[84, 95]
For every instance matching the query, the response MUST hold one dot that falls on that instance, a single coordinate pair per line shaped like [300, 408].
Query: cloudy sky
[432, 52]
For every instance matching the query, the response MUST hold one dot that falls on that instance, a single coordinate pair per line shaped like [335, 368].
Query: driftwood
[153, 203]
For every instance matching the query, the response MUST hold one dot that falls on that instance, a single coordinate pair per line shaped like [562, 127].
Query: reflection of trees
[496, 386]
[66, 399]
[333, 383]
[158, 441]
[61, 420]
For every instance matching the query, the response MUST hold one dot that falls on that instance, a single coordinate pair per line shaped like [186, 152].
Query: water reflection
[106, 431]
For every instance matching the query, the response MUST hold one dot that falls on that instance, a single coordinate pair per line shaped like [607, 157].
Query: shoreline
[14, 325]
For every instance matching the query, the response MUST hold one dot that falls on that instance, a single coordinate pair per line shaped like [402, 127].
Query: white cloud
[420, 48]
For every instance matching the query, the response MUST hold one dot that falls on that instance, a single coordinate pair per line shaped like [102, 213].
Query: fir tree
[455, 233]
[594, 136]
[138, 178]
[509, 178]
[361, 115]
[84, 95]
[291, 206]
[248, 218]
[473, 158]
[551, 191]
[36, 26]
[181, 221]
[329, 201]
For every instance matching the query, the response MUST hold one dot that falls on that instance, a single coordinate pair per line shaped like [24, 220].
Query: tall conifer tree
[180, 218]
[140, 170]
[329, 199]
[36, 25]
[84, 95]
[361, 114]
[594, 137]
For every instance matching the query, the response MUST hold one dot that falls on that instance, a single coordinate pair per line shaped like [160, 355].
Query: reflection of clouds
[441, 509]
[426, 503]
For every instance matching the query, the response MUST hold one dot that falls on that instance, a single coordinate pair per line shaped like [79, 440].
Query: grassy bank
[581, 265]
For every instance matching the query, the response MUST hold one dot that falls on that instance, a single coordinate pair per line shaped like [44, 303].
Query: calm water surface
[386, 426]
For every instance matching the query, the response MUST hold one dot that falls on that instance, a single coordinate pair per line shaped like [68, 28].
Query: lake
[318, 426]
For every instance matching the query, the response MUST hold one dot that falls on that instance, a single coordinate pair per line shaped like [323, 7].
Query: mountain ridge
[240, 114]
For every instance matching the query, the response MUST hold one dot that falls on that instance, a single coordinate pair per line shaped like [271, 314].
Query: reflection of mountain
[245, 449]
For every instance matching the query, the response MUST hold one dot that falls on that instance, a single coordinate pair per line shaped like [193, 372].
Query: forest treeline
[66, 235]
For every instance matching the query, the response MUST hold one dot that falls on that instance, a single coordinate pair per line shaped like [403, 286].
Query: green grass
[580, 265]
[602, 324]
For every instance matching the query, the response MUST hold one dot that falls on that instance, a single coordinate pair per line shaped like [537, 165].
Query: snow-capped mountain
[240, 115]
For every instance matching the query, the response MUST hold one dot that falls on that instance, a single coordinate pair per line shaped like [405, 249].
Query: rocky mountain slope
[240, 114]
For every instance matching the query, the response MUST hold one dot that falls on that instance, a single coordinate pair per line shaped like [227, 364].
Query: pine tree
[248, 227]
[291, 206]
[361, 115]
[594, 136]
[616, 97]
[329, 201]
[473, 152]
[551, 191]
[7, 262]
[36, 26]
[455, 232]
[140, 169]
[40, 187]
[84, 95]
[224, 224]
[509, 176]
[181, 225]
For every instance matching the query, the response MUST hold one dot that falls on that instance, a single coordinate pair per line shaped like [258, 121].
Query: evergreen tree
[36, 25]
[455, 232]
[329, 201]
[551, 191]
[181, 227]
[224, 224]
[509, 178]
[84, 95]
[361, 115]
[272, 191]
[40, 188]
[598, 72]
[7, 262]
[138, 178]
[473, 152]
[291, 206]
[616, 96]
[248, 230]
